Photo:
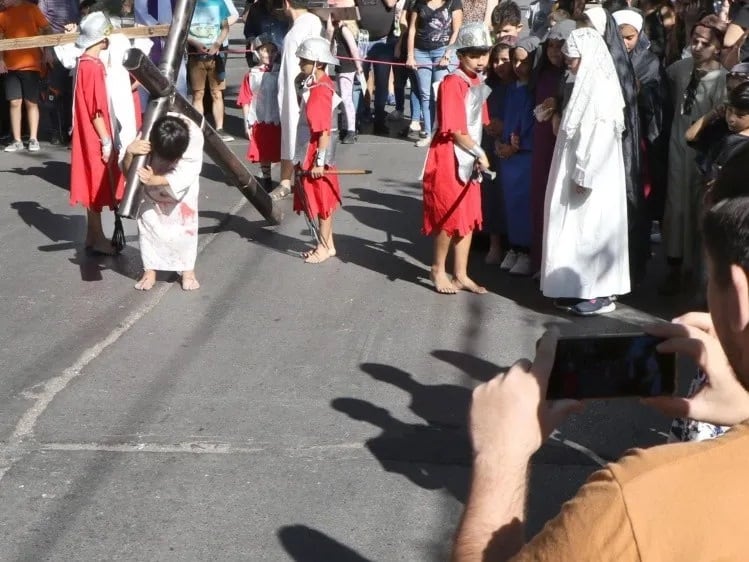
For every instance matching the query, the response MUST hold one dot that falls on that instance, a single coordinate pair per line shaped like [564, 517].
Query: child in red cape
[452, 195]
[258, 98]
[95, 178]
[320, 192]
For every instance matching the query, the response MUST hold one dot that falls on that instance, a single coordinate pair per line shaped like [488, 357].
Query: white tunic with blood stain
[168, 217]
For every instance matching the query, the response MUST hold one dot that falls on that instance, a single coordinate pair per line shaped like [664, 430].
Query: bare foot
[308, 253]
[320, 254]
[147, 281]
[493, 257]
[442, 283]
[189, 282]
[468, 284]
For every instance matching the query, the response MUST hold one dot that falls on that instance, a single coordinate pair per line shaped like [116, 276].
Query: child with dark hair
[452, 196]
[318, 193]
[168, 215]
[507, 19]
[500, 77]
[258, 98]
[514, 147]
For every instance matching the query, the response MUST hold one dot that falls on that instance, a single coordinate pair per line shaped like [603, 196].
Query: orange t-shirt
[23, 20]
[673, 503]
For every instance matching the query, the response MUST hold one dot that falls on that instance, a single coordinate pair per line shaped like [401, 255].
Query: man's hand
[71, 28]
[317, 172]
[504, 150]
[139, 147]
[722, 400]
[580, 190]
[510, 417]
[3, 68]
[214, 49]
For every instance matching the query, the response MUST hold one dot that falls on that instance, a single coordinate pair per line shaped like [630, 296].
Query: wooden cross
[159, 82]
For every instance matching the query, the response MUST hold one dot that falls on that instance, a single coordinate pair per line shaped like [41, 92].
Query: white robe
[168, 216]
[585, 252]
[305, 26]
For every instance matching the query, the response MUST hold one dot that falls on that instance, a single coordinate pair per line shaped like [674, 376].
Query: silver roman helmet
[316, 49]
[473, 36]
[263, 39]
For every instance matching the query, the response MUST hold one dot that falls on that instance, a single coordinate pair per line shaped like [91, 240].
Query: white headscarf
[628, 17]
[597, 16]
[597, 94]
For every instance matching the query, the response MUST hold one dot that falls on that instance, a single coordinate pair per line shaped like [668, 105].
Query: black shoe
[348, 137]
[381, 129]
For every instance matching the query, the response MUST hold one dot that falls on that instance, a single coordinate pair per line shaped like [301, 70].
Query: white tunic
[168, 217]
[305, 26]
[585, 252]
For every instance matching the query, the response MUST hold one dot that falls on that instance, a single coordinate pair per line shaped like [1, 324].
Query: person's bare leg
[95, 238]
[284, 187]
[15, 118]
[438, 275]
[147, 280]
[217, 97]
[325, 249]
[494, 256]
[197, 100]
[32, 113]
[461, 280]
[189, 281]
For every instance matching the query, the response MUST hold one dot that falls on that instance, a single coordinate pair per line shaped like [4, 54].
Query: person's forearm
[492, 527]
[457, 23]
[127, 162]
[324, 141]
[466, 142]
[411, 40]
[224, 33]
[101, 128]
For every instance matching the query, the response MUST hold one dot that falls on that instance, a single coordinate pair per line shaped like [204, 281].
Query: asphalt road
[284, 411]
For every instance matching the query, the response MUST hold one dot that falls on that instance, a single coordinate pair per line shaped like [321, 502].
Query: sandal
[281, 192]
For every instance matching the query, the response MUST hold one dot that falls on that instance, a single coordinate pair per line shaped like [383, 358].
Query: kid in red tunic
[258, 98]
[320, 191]
[452, 194]
[95, 178]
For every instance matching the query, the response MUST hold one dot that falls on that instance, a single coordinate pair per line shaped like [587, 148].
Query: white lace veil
[596, 94]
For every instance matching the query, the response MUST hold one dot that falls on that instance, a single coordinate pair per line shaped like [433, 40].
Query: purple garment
[547, 86]
[59, 13]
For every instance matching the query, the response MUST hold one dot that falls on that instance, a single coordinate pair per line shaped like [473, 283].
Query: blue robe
[515, 171]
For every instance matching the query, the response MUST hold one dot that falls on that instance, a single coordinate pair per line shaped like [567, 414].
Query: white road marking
[51, 388]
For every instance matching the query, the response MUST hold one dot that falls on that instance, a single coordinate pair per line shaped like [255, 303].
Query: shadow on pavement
[54, 172]
[304, 544]
[67, 233]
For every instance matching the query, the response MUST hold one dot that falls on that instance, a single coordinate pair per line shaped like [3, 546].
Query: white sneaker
[509, 262]
[522, 265]
[15, 146]
[421, 143]
[655, 233]
[415, 126]
[34, 145]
